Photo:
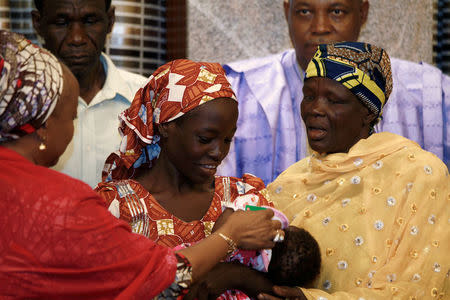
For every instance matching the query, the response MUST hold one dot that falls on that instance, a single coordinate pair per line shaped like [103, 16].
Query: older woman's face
[335, 119]
[197, 143]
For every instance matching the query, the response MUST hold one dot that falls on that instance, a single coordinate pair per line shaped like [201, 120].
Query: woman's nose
[219, 151]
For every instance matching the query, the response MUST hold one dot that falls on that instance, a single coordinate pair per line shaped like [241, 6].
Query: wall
[229, 30]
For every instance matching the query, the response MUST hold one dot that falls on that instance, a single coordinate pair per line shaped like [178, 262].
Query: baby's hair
[296, 261]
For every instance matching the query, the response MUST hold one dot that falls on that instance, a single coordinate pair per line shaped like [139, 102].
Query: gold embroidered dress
[381, 216]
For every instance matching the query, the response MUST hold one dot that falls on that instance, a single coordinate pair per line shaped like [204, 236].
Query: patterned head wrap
[30, 85]
[362, 68]
[173, 90]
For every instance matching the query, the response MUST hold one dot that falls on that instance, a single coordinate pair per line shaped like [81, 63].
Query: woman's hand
[227, 276]
[251, 229]
[284, 292]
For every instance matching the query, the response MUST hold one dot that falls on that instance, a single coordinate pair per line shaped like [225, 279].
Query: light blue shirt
[270, 134]
[96, 127]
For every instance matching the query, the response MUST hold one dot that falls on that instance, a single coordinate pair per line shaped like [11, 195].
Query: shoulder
[132, 77]
[416, 163]
[412, 73]
[118, 195]
[133, 80]
[44, 187]
[429, 164]
[256, 64]
[117, 189]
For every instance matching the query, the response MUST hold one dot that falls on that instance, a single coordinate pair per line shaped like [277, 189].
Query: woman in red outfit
[57, 240]
[176, 133]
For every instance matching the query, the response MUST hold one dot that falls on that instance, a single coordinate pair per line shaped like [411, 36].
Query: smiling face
[75, 31]
[334, 118]
[196, 143]
[314, 22]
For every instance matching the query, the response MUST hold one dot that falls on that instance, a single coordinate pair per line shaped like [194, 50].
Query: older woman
[377, 203]
[176, 132]
[57, 239]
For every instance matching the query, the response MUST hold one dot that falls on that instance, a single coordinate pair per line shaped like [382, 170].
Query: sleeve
[446, 107]
[183, 279]
[87, 253]
[124, 202]
[419, 261]
[107, 191]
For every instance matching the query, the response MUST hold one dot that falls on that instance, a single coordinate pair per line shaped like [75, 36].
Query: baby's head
[296, 261]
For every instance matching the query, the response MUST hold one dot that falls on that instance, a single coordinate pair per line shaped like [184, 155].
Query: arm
[230, 275]
[250, 230]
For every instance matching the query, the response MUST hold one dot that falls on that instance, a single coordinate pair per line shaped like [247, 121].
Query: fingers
[269, 213]
[276, 224]
[289, 292]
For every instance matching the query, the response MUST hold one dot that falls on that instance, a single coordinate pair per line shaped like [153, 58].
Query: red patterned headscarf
[174, 89]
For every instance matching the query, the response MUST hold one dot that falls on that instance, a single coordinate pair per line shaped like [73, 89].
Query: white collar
[114, 83]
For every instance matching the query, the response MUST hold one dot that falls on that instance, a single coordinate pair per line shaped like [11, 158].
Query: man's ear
[364, 11]
[36, 17]
[111, 18]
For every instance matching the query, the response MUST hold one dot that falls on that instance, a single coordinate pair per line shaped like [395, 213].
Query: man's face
[75, 31]
[314, 22]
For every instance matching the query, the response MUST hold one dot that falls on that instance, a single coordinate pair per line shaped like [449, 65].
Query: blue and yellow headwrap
[362, 68]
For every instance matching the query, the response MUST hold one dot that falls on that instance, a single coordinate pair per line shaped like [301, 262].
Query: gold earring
[42, 146]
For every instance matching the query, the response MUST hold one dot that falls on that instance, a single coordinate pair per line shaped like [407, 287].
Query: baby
[295, 261]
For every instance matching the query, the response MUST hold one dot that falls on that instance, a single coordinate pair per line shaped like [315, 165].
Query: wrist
[232, 246]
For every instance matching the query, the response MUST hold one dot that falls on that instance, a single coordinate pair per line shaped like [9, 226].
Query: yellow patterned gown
[381, 216]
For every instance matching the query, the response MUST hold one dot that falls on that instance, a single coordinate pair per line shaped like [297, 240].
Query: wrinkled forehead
[51, 6]
[295, 1]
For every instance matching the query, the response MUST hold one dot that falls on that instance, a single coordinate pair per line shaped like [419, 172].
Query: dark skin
[75, 31]
[228, 275]
[310, 22]
[335, 120]
[314, 22]
[56, 132]
[182, 178]
[252, 230]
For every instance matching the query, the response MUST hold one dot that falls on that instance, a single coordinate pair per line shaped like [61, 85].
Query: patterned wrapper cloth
[31, 83]
[173, 90]
[362, 68]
